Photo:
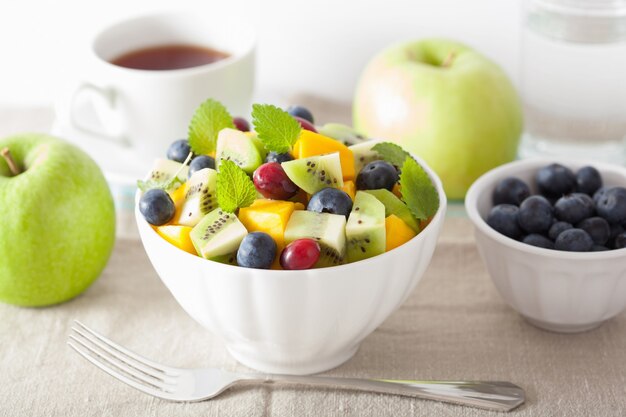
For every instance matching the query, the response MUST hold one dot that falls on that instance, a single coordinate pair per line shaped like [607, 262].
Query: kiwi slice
[316, 172]
[363, 154]
[200, 197]
[218, 233]
[343, 133]
[393, 205]
[254, 137]
[234, 145]
[365, 230]
[328, 229]
[164, 170]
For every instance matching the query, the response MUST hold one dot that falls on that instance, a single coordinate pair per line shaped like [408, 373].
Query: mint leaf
[418, 191]
[391, 153]
[234, 188]
[207, 121]
[276, 128]
[169, 184]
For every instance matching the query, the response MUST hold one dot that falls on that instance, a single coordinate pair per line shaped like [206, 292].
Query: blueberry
[599, 194]
[503, 218]
[535, 214]
[557, 228]
[538, 240]
[555, 180]
[200, 162]
[598, 248]
[179, 150]
[612, 205]
[301, 112]
[588, 180]
[376, 175]
[597, 228]
[573, 208]
[330, 200]
[574, 240]
[510, 190]
[278, 157]
[156, 206]
[616, 229]
[257, 250]
[620, 241]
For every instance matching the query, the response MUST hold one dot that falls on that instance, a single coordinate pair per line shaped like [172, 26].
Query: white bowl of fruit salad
[292, 255]
[551, 233]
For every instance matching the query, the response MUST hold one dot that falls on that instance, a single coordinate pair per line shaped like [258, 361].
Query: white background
[316, 47]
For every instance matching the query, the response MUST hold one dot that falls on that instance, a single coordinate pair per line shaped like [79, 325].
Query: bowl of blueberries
[552, 234]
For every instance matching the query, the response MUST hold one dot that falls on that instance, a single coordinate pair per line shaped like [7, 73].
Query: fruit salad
[284, 193]
[572, 212]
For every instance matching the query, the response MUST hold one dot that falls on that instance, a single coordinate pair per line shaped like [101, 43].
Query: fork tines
[138, 372]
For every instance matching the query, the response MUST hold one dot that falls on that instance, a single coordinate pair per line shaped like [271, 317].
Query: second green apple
[445, 103]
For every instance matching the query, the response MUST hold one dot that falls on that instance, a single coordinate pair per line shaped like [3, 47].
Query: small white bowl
[555, 290]
[293, 322]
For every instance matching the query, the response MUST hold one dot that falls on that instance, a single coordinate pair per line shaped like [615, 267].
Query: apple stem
[6, 154]
[448, 61]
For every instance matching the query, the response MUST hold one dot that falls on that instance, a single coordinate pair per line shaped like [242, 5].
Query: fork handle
[491, 395]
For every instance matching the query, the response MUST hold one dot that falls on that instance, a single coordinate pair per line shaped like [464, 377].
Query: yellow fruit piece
[177, 236]
[349, 188]
[269, 216]
[312, 144]
[298, 206]
[397, 232]
[178, 197]
[397, 191]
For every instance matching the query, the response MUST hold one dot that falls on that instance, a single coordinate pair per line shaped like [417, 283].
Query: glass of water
[573, 79]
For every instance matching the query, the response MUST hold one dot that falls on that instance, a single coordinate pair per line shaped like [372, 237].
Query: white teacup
[148, 109]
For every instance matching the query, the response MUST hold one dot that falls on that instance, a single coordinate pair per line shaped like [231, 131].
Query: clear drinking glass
[573, 79]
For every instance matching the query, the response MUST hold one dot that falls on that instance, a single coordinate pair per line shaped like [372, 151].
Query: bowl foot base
[563, 328]
[312, 366]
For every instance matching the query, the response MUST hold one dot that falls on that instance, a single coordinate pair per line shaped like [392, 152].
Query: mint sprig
[277, 129]
[418, 191]
[391, 153]
[235, 189]
[207, 121]
[168, 184]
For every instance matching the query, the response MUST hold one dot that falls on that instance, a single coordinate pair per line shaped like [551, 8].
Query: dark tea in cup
[169, 57]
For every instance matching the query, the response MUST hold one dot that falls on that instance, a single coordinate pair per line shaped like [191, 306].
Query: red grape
[241, 124]
[305, 124]
[300, 254]
[271, 180]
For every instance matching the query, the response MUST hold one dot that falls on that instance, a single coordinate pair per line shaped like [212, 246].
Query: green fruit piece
[393, 205]
[234, 145]
[314, 173]
[254, 137]
[329, 230]
[164, 170]
[218, 233]
[343, 133]
[363, 154]
[200, 197]
[229, 259]
[365, 230]
[57, 227]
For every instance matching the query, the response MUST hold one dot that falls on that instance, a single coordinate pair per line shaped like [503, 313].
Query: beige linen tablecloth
[453, 326]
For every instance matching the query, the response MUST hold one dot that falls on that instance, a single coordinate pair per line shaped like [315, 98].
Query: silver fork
[178, 384]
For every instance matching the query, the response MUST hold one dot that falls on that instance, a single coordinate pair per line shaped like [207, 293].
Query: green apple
[445, 103]
[57, 226]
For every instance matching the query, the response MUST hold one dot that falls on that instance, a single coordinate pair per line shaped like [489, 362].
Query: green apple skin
[463, 119]
[57, 227]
